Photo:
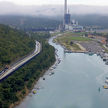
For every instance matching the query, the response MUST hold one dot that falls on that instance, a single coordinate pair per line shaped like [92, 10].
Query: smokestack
[65, 7]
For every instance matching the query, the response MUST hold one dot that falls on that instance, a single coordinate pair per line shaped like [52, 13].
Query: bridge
[20, 63]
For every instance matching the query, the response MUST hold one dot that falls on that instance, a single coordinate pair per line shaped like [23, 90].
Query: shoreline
[103, 54]
[28, 91]
[72, 50]
[69, 50]
[45, 72]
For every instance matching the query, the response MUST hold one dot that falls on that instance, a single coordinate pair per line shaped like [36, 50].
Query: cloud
[41, 2]
[7, 8]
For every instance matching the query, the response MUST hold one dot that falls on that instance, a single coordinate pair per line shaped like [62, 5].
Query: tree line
[15, 86]
[14, 44]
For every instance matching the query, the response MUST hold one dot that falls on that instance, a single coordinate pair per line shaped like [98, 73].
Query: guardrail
[21, 63]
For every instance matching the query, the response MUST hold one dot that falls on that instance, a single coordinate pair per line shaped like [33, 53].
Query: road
[21, 62]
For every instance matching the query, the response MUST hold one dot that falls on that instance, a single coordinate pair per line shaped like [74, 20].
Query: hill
[14, 44]
[30, 23]
[19, 84]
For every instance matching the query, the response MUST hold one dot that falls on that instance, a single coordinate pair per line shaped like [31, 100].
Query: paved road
[21, 62]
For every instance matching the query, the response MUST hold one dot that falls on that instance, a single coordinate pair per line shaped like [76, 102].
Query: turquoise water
[75, 84]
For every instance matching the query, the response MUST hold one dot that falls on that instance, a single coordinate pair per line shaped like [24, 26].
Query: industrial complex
[68, 23]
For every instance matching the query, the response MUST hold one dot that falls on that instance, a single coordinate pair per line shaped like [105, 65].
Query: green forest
[15, 87]
[29, 23]
[14, 44]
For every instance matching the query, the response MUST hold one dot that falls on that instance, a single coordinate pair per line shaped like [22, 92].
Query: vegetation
[75, 47]
[98, 21]
[74, 38]
[54, 34]
[70, 41]
[39, 23]
[69, 36]
[16, 86]
[40, 36]
[13, 45]
[28, 23]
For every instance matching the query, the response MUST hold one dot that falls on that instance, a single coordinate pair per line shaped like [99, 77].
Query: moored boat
[34, 92]
[105, 87]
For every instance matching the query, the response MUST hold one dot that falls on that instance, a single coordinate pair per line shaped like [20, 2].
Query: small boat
[104, 59]
[52, 73]
[105, 87]
[91, 53]
[34, 92]
[99, 89]
[106, 81]
[43, 78]
[106, 63]
[98, 54]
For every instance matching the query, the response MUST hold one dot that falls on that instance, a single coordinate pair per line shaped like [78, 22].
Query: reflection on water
[74, 84]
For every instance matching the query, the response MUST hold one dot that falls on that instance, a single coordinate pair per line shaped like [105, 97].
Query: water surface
[75, 83]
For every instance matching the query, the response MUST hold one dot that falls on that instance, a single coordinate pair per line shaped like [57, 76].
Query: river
[75, 83]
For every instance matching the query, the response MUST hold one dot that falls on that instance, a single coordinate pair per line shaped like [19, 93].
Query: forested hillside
[13, 45]
[16, 87]
[29, 23]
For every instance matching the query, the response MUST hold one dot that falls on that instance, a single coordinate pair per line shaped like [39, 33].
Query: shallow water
[75, 83]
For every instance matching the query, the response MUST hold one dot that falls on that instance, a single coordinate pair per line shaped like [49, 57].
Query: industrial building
[68, 24]
[67, 16]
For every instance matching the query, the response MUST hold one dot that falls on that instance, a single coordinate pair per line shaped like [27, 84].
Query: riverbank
[74, 73]
[27, 91]
[18, 85]
[72, 43]
[31, 89]
[81, 44]
[47, 71]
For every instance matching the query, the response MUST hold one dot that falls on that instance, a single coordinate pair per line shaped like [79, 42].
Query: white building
[74, 26]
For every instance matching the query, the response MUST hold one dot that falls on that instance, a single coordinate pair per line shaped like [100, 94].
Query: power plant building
[67, 23]
[67, 16]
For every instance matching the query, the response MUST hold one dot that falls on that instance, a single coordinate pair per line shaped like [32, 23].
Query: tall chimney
[65, 7]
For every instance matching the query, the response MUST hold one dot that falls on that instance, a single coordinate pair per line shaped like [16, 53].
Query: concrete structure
[21, 62]
[67, 16]
[67, 23]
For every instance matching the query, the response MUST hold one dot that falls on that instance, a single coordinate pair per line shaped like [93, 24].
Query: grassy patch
[106, 50]
[75, 47]
[69, 38]
[54, 34]
[73, 34]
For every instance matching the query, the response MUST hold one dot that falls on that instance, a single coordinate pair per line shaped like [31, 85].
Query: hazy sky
[41, 2]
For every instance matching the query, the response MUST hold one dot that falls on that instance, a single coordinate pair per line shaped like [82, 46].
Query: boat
[99, 89]
[43, 78]
[104, 59]
[105, 87]
[34, 92]
[106, 62]
[98, 54]
[91, 53]
[52, 73]
[106, 81]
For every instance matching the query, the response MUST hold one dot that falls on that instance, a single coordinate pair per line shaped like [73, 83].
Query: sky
[46, 2]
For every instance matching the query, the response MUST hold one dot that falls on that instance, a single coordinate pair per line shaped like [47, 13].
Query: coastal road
[21, 62]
